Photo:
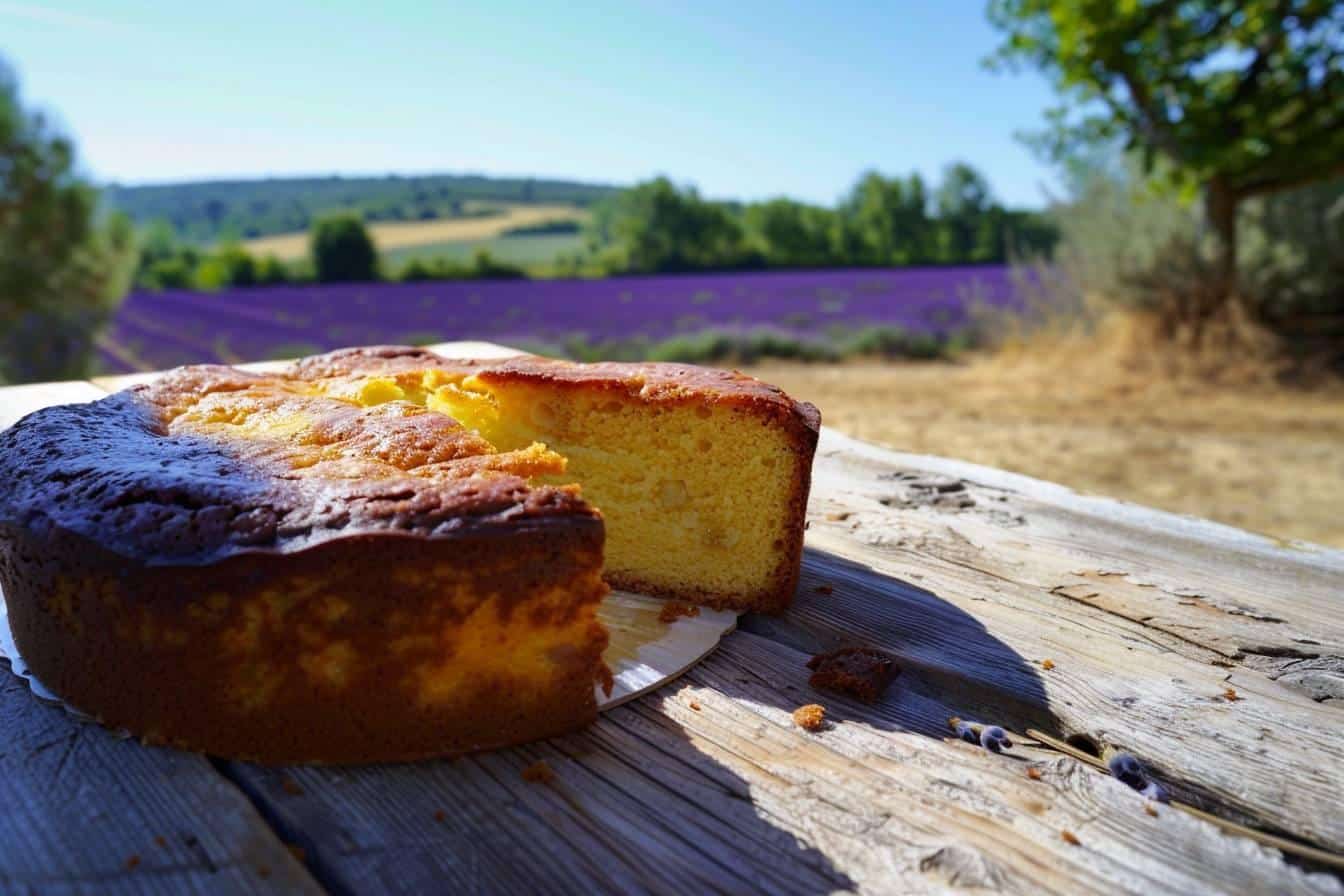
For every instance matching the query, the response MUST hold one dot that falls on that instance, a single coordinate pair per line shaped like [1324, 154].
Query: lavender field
[162, 329]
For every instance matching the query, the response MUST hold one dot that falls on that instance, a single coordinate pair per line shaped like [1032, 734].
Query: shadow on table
[657, 797]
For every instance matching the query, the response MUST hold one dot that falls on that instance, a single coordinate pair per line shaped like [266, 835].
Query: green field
[525, 250]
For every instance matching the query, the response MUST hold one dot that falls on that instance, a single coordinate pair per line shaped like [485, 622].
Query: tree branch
[1153, 124]
[1268, 185]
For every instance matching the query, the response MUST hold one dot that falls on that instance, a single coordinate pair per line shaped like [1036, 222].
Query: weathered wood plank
[880, 802]
[1220, 587]
[708, 786]
[1272, 754]
[83, 811]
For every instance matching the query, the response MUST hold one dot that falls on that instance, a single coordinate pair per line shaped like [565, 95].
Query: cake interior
[694, 494]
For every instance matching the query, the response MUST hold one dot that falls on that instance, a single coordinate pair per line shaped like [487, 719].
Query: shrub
[342, 250]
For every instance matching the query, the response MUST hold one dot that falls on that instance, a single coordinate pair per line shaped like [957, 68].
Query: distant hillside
[245, 209]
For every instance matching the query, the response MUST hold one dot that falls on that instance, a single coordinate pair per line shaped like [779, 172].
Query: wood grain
[82, 811]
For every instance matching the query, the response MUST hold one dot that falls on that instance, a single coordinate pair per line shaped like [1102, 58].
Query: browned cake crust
[205, 594]
[799, 421]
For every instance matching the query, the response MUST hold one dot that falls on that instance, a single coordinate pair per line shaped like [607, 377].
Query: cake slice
[701, 475]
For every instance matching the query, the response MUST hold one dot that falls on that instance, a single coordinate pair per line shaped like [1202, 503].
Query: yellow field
[391, 235]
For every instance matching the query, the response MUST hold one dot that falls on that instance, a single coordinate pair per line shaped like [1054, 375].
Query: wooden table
[973, 578]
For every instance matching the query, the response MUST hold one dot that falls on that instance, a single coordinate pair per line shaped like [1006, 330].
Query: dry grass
[407, 234]
[1243, 450]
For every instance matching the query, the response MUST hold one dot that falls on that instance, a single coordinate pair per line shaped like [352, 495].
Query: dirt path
[1267, 459]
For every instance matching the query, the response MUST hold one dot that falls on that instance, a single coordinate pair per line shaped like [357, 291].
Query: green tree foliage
[483, 267]
[1243, 98]
[272, 271]
[792, 234]
[882, 221]
[167, 263]
[342, 250]
[659, 226]
[886, 221]
[62, 269]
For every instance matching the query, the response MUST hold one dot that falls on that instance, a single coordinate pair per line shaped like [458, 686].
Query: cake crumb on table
[673, 610]
[811, 717]
[695, 705]
[1231, 695]
[539, 772]
[1047, 664]
[1070, 838]
[824, 589]
[1034, 773]
[132, 862]
[1150, 808]
[858, 671]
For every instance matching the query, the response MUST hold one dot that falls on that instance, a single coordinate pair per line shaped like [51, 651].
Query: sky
[743, 99]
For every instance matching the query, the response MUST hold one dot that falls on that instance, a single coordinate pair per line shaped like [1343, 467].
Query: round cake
[382, 554]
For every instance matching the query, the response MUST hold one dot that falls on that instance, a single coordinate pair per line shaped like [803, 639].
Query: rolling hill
[207, 211]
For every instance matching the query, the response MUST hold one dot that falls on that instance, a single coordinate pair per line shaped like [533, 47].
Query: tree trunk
[1220, 207]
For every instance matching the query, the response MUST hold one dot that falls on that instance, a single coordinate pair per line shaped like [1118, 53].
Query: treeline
[658, 226]
[207, 212]
[340, 251]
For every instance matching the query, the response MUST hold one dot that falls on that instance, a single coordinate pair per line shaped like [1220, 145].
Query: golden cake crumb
[1150, 808]
[1034, 773]
[859, 671]
[673, 610]
[1047, 664]
[695, 705]
[539, 772]
[1231, 695]
[838, 516]
[1070, 838]
[811, 717]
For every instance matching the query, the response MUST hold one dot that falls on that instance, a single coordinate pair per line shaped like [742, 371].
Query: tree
[971, 227]
[62, 268]
[793, 234]
[1244, 98]
[658, 226]
[342, 250]
[885, 221]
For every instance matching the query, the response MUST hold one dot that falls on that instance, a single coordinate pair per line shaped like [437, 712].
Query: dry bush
[1130, 294]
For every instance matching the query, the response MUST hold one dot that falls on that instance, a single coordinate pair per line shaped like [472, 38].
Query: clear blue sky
[742, 98]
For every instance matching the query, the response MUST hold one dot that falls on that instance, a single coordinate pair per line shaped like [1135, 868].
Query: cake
[381, 554]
